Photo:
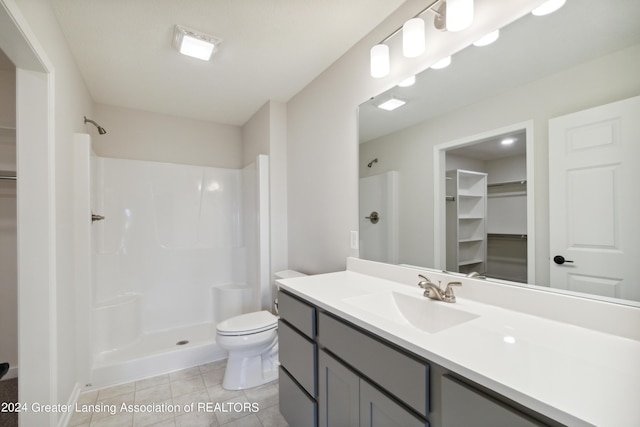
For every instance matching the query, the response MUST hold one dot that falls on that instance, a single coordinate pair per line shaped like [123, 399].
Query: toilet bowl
[252, 342]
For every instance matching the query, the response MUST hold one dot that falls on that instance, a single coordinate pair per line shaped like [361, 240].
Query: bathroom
[300, 147]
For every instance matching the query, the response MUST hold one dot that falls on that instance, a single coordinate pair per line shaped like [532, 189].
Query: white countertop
[571, 374]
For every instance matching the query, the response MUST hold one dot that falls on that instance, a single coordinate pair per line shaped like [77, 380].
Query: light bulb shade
[380, 61]
[443, 63]
[548, 7]
[409, 81]
[487, 39]
[413, 38]
[459, 14]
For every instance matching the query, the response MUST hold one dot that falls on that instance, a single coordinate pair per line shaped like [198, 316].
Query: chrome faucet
[433, 291]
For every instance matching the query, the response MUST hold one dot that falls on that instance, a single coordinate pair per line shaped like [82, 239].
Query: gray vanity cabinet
[334, 373]
[298, 361]
[465, 406]
[379, 410]
[338, 393]
[347, 400]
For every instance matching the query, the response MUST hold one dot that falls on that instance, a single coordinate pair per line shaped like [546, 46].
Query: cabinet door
[338, 393]
[378, 410]
[464, 406]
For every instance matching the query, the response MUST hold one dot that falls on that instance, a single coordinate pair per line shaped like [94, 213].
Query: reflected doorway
[486, 204]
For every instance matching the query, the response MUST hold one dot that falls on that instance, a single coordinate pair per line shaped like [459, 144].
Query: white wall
[322, 147]
[140, 135]
[265, 133]
[538, 101]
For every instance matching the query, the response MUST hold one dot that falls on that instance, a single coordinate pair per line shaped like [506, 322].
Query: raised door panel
[338, 394]
[378, 410]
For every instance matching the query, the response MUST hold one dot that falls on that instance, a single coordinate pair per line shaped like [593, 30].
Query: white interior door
[594, 200]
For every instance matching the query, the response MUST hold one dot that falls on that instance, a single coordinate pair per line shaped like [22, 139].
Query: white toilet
[252, 342]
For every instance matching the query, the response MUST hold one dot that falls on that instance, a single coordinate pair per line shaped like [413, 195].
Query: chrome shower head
[101, 130]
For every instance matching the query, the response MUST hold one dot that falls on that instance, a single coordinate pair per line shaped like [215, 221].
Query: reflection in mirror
[537, 78]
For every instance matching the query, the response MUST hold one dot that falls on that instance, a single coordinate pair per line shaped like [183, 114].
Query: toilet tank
[287, 274]
[284, 274]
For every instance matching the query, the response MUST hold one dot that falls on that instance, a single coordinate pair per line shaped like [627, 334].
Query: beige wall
[141, 135]
[322, 141]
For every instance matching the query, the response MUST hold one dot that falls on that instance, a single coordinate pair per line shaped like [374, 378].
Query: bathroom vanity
[363, 347]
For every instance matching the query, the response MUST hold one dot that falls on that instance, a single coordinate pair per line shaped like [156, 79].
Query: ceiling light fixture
[413, 34]
[456, 14]
[508, 141]
[459, 14]
[487, 39]
[548, 7]
[192, 43]
[392, 104]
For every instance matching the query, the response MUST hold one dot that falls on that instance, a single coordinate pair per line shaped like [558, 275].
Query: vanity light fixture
[413, 34]
[391, 104]
[192, 43]
[459, 14]
[380, 60]
[548, 7]
[487, 39]
[409, 81]
[443, 63]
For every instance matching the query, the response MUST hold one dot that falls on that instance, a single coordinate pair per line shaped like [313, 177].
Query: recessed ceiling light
[194, 44]
[508, 141]
[409, 81]
[392, 104]
[487, 39]
[548, 7]
[443, 63]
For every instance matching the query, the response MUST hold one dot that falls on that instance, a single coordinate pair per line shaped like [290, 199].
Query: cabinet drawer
[297, 313]
[298, 356]
[464, 406]
[295, 405]
[399, 374]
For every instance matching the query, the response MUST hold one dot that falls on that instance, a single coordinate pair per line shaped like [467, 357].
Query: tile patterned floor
[192, 397]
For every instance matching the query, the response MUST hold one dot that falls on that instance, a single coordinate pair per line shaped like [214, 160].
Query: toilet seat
[246, 324]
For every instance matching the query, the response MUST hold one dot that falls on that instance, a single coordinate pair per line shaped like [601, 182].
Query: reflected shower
[101, 130]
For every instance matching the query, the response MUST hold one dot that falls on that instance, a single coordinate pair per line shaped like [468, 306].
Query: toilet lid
[249, 323]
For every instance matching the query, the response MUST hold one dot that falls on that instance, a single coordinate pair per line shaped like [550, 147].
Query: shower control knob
[559, 259]
[373, 217]
[95, 217]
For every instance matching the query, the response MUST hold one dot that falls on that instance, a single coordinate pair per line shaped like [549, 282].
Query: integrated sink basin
[422, 313]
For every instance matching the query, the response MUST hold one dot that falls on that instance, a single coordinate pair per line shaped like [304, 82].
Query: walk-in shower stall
[175, 249]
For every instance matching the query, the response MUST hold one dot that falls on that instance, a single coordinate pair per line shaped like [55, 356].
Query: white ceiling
[271, 50]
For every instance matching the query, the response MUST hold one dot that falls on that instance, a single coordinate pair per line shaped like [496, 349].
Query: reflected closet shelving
[466, 221]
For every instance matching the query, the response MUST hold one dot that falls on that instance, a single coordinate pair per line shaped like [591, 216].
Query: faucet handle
[424, 282]
[448, 292]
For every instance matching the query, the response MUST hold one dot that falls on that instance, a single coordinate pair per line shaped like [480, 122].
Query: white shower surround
[171, 235]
